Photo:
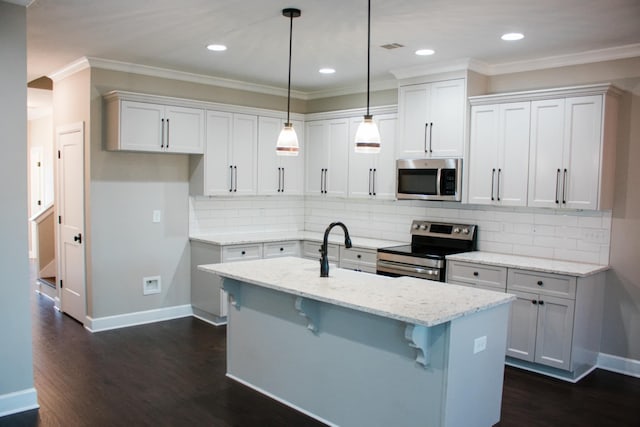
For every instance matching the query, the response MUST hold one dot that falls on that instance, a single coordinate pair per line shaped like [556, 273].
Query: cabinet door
[293, 166]
[269, 173]
[483, 154]
[523, 321]
[513, 154]
[184, 128]
[582, 152]
[361, 165]
[413, 110]
[446, 119]
[217, 174]
[244, 149]
[141, 126]
[205, 287]
[384, 176]
[555, 331]
[545, 153]
[337, 170]
[316, 157]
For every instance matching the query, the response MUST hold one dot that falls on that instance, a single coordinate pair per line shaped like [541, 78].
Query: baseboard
[618, 364]
[19, 401]
[137, 318]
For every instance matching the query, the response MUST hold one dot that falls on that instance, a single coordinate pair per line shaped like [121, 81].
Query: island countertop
[407, 299]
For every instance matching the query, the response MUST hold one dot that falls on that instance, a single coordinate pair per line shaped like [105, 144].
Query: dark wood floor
[172, 374]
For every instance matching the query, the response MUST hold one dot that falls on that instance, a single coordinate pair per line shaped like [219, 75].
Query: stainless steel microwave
[429, 179]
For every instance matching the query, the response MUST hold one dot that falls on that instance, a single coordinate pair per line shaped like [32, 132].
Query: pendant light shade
[368, 136]
[287, 144]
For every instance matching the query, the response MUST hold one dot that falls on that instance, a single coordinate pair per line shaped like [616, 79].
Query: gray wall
[621, 329]
[16, 371]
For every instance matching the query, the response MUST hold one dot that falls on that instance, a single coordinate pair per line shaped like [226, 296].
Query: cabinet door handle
[168, 134]
[426, 128]
[540, 283]
[283, 180]
[564, 187]
[235, 174]
[374, 181]
[534, 301]
[557, 184]
[279, 180]
[162, 134]
[230, 178]
[326, 170]
[493, 178]
[541, 302]
[370, 173]
[430, 137]
[498, 190]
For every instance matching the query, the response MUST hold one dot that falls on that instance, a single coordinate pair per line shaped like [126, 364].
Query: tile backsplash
[564, 234]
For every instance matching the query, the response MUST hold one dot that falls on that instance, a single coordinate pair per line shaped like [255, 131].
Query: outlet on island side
[479, 344]
[156, 215]
[151, 285]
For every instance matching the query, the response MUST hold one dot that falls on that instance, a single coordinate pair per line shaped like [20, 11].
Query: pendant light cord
[368, 52]
[290, 52]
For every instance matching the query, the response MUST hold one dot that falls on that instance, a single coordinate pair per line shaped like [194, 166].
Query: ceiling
[173, 35]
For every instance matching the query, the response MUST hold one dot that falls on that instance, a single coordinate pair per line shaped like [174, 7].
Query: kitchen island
[358, 349]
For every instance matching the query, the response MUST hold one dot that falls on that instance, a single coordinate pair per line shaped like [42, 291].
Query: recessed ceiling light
[326, 70]
[425, 52]
[512, 36]
[217, 47]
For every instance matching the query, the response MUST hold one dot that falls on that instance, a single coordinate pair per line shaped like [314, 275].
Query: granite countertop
[545, 265]
[281, 236]
[406, 299]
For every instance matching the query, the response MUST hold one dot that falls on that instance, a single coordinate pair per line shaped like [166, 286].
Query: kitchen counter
[406, 299]
[359, 349]
[281, 236]
[545, 265]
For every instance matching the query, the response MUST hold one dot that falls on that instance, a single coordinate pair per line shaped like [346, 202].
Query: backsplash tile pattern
[582, 236]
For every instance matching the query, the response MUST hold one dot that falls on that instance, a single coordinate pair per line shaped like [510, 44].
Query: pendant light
[368, 136]
[287, 144]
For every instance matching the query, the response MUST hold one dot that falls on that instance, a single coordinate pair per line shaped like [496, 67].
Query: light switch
[479, 344]
[156, 216]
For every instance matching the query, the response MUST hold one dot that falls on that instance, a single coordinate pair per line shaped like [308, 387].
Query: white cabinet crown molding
[342, 114]
[541, 94]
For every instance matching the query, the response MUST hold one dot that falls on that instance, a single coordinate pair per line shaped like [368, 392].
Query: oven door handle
[409, 269]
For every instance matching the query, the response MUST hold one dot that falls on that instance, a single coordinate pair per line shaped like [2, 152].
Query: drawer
[312, 250]
[542, 283]
[358, 255]
[278, 249]
[479, 275]
[366, 268]
[241, 252]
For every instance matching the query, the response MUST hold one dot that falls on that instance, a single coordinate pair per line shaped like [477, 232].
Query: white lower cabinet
[311, 250]
[358, 259]
[555, 322]
[208, 300]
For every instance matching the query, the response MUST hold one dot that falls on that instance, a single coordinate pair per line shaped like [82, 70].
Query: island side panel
[475, 374]
[357, 370]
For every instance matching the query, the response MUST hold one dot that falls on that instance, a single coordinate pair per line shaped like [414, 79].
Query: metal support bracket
[309, 310]
[418, 338]
[233, 288]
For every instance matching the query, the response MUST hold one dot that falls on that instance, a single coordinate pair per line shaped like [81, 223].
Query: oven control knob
[423, 227]
[456, 230]
[465, 231]
[416, 226]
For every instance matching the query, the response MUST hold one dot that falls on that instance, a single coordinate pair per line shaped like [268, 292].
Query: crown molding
[25, 3]
[591, 56]
[350, 90]
[440, 68]
[70, 69]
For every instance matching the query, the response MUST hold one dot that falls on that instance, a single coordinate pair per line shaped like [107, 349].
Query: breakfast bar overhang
[358, 349]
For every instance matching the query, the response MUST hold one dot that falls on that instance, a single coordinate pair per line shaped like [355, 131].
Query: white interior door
[71, 236]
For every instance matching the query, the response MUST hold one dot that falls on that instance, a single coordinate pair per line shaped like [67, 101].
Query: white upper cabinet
[373, 175]
[499, 154]
[571, 156]
[279, 174]
[230, 160]
[326, 159]
[431, 120]
[567, 150]
[153, 127]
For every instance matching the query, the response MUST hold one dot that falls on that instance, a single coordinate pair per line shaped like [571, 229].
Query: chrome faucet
[324, 249]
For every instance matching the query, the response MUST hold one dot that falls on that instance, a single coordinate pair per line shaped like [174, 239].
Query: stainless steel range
[431, 242]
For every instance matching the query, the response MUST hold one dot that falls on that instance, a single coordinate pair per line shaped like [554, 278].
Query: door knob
[78, 238]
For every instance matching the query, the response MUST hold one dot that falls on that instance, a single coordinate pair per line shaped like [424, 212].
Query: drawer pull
[540, 283]
[475, 273]
[359, 256]
[281, 249]
[541, 302]
[243, 252]
[534, 301]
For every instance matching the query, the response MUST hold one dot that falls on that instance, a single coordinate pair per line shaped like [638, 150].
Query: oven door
[396, 269]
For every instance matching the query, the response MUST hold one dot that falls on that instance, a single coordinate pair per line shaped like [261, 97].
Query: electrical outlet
[151, 285]
[479, 344]
[156, 216]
